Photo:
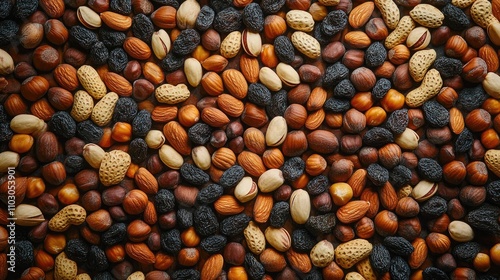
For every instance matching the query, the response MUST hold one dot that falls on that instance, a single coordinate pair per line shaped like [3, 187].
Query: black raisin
[186, 274]
[117, 60]
[448, 67]
[3, 114]
[74, 164]
[193, 175]
[435, 114]
[380, 259]
[344, 89]
[96, 259]
[293, 168]
[253, 267]
[464, 141]
[253, 17]
[77, 250]
[455, 18]
[399, 270]
[336, 105]
[375, 55]
[279, 214]
[173, 3]
[219, 5]
[321, 224]
[227, 20]
[466, 252]
[400, 176]
[334, 22]
[24, 254]
[234, 225]
[106, 275]
[434, 207]
[334, 74]
[471, 98]
[322, 38]
[5, 132]
[172, 62]
[82, 36]
[213, 244]
[5, 8]
[8, 31]
[493, 192]
[123, 7]
[171, 241]
[116, 233]
[284, 50]
[382, 86]
[377, 137]
[430, 169]
[89, 132]
[125, 110]
[142, 27]
[98, 54]
[314, 275]
[184, 218]
[210, 193]
[272, 6]
[278, 104]
[63, 125]
[142, 123]
[164, 201]
[485, 218]
[232, 176]
[205, 18]
[377, 174]
[434, 273]
[317, 185]
[200, 133]
[23, 9]
[111, 38]
[138, 150]
[398, 245]
[302, 241]
[259, 94]
[205, 221]
[398, 121]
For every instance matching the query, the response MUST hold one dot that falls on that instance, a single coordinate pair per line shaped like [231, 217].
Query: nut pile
[272, 139]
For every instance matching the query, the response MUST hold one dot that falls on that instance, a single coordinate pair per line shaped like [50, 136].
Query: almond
[65, 75]
[251, 163]
[212, 267]
[214, 117]
[146, 181]
[117, 83]
[419, 254]
[177, 137]
[262, 208]
[212, 83]
[228, 205]
[361, 14]
[357, 39]
[136, 48]
[457, 123]
[164, 113]
[53, 8]
[116, 21]
[352, 211]
[214, 63]
[235, 83]
[299, 261]
[140, 252]
[230, 105]
[249, 67]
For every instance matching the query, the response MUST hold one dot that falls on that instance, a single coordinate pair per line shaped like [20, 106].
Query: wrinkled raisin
[210, 193]
[63, 125]
[430, 169]
[227, 20]
[5, 132]
[77, 250]
[205, 221]
[172, 62]
[205, 18]
[377, 174]
[234, 225]
[398, 245]
[116, 233]
[96, 259]
[173, 3]
[253, 267]
[435, 114]
[98, 54]
[466, 252]
[318, 34]
[448, 67]
[455, 18]
[186, 274]
[317, 185]
[186, 42]
[200, 133]
[142, 123]
[471, 98]
[5, 8]
[23, 9]
[321, 224]
[380, 259]
[302, 241]
[24, 254]
[253, 17]
[434, 273]
[382, 86]
[278, 104]
[184, 218]
[493, 191]
[193, 175]
[164, 201]
[125, 110]
[464, 141]
[336, 105]
[219, 5]
[375, 55]
[89, 132]
[399, 269]
[171, 241]
[279, 214]
[485, 218]
[284, 50]
[232, 176]
[142, 27]
[138, 150]
[334, 74]
[105, 275]
[272, 6]
[400, 176]
[259, 94]
[213, 244]
[377, 137]
[434, 207]
[111, 38]
[8, 31]
[293, 168]
[123, 7]
[82, 36]
[117, 60]
[73, 164]
[397, 121]
[334, 22]
[344, 89]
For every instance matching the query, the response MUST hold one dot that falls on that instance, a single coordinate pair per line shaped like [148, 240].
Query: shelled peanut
[278, 139]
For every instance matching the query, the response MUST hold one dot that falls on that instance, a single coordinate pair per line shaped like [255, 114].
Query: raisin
[284, 50]
[210, 193]
[377, 174]
[117, 60]
[138, 150]
[123, 7]
[485, 218]
[98, 54]
[193, 175]
[382, 86]
[173, 3]
[142, 123]
[253, 17]
[434, 273]
[317, 185]
[471, 98]
[279, 214]
[435, 114]
[89, 132]
[278, 104]
[172, 62]
[219, 5]
[380, 259]
[77, 250]
[116, 233]
[375, 55]
[82, 36]
[24, 253]
[63, 125]
[232, 176]
[272, 6]
[227, 20]
[186, 274]
[164, 201]
[293, 168]
[213, 244]
[302, 241]
[398, 121]
[200, 133]
[234, 225]
[111, 38]
[321, 224]
[205, 221]
[493, 192]
[336, 105]
[486, 277]
[171, 241]
[5, 8]
[466, 252]
[142, 27]
[8, 31]
[103, 276]
[430, 169]
[399, 269]
[448, 67]
[400, 176]
[253, 267]
[344, 89]
[96, 259]
[205, 18]
[184, 218]
[455, 18]
[334, 74]
[318, 34]
[464, 141]
[259, 94]
[334, 22]
[74, 164]
[3, 115]
[125, 110]
[377, 137]
[24, 8]
[5, 132]
[434, 207]
[314, 275]
[398, 246]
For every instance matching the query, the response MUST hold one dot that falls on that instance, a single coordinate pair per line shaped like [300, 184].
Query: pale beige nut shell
[349, 253]
[405, 25]
[306, 44]
[254, 237]
[389, 11]
[82, 106]
[427, 15]
[231, 45]
[102, 114]
[91, 82]
[492, 160]
[113, 167]
[430, 87]
[171, 94]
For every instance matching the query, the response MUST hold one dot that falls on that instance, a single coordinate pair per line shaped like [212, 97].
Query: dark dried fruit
[232, 176]
[344, 89]
[98, 54]
[382, 86]
[272, 6]
[5, 132]
[116, 233]
[448, 67]
[435, 114]
[334, 74]
[125, 110]
[284, 50]
[334, 22]
[493, 192]
[314, 275]
[377, 174]
[279, 214]
[210, 194]
[77, 250]
[302, 241]
[434, 273]
[259, 94]
[399, 176]
[205, 18]
[142, 27]
[200, 133]
[234, 225]
[227, 20]
[186, 274]
[213, 244]
[466, 252]
[464, 141]
[253, 17]
[172, 62]
[171, 241]
[103, 276]
[82, 36]
[293, 168]
[62, 124]
[253, 267]
[73, 164]
[336, 105]
[455, 18]
[205, 221]
[142, 123]
[24, 254]
[219, 5]
[434, 207]
[380, 259]
[96, 259]
[322, 38]
[471, 98]
[375, 55]
[117, 60]
[398, 245]
[397, 121]
[111, 38]
[184, 218]
[123, 7]
[186, 42]
[399, 270]
[317, 185]
[164, 201]
[193, 175]
[8, 31]
[377, 137]
[430, 169]
[138, 150]
[278, 104]
[5, 8]
[321, 224]
[485, 218]
[23, 9]
[89, 132]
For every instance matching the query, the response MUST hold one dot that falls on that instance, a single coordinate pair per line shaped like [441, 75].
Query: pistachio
[270, 180]
[187, 13]
[251, 43]
[155, 139]
[460, 231]
[491, 84]
[28, 215]
[193, 71]
[88, 17]
[270, 79]
[494, 32]
[8, 159]
[424, 190]
[160, 43]
[407, 140]
[279, 238]
[26, 124]
[201, 157]
[287, 74]
[276, 131]
[6, 63]
[245, 190]
[418, 39]
[170, 157]
[300, 206]
[93, 154]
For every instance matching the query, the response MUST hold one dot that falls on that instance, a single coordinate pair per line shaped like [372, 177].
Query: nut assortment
[272, 139]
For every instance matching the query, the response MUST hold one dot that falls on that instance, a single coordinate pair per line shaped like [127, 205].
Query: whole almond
[116, 21]
[353, 211]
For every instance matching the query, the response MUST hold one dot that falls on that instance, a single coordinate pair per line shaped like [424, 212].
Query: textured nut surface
[113, 167]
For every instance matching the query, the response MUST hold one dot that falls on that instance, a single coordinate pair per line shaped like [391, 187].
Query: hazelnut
[478, 120]
[33, 88]
[353, 59]
[410, 228]
[399, 54]
[91, 200]
[475, 70]
[456, 46]
[343, 233]
[46, 58]
[447, 97]
[188, 256]
[295, 116]
[455, 209]
[389, 155]
[364, 228]
[386, 223]
[272, 260]
[31, 35]
[138, 231]
[55, 32]
[438, 243]
[99, 220]
[234, 253]
[274, 26]
[376, 29]
[454, 172]
[295, 143]
[315, 165]
[407, 207]
[447, 262]
[440, 224]
[334, 51]
[322, 202]
[350, 143]
[54, 173]
[135, 202]
[354, 121]
[477, 173]
[472, 195]
[341, 171]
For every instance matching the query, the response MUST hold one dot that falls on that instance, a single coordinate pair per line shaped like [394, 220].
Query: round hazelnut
[438, 243]
[386, 223]
[31, 35]
[407, 207]
[135, 202]
[410, 228]
[454, 172]
[56, 32]
[234, 253]
[472, 195]
[46, 58]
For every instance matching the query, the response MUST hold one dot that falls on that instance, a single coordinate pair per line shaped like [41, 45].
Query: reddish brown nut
[46, 58]
[376, 29]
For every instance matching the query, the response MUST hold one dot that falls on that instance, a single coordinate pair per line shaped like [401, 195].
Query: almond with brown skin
[299, 261]
[146, 181]
[228, 205]
[116, 21]
[353, 211]
[419, 254]
[235, 83]
[65, 76]
[177, 136]
[230, 105]
[361, 14]
[212, 268]
[251, 163]
[140, 252]
[214, 117]
[262, 208]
